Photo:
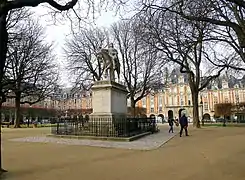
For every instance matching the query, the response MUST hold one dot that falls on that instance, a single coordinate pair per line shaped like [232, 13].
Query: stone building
[225, 89]
[162, 103]
[62, 102]
[176, 95]
[169, 100]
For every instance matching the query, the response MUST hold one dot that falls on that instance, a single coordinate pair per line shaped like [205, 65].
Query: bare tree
[13, 19]
[226, 15]
[29, 67]
[141, 69]
[8, 6]
[183, 43]
[81, 52]
[5, 7]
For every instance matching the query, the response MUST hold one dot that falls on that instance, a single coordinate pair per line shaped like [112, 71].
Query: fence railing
[102, 126]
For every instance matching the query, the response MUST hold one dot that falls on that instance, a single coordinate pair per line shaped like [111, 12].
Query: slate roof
[233, 82]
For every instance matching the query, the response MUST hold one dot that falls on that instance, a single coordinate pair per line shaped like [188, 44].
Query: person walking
[183, 124]
[176, 122]
[171, 125]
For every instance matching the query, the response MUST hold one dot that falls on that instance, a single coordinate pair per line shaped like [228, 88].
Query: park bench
[5, 124]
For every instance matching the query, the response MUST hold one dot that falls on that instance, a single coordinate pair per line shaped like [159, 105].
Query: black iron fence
[105, 127]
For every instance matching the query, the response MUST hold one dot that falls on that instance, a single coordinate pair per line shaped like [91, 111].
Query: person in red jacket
[183, 124]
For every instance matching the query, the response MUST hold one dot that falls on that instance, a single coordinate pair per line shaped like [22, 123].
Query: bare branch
[15, 4]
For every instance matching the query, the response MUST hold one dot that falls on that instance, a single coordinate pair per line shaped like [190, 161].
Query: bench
[5, 124]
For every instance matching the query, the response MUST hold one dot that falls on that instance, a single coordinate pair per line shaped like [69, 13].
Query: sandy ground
[211, 153]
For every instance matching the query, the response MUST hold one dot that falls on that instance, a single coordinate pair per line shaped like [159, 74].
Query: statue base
[109, 102]
[109, 97]
[107, 125]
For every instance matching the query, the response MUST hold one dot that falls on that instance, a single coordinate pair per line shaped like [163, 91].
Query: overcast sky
[58, 32]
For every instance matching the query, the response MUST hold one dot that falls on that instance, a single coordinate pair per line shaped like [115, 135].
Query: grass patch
[227, 125]
[38, 126]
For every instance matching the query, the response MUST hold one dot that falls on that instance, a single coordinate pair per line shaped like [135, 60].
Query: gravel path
[150, 142]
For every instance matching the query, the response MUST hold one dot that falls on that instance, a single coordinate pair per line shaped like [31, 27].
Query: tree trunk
[196, 121]
[3, 44]
[1, 169]
[3, 53]
[17, 112]
[133, 107]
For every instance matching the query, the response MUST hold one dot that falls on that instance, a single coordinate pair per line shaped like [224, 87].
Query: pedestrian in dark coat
[183, 124]
[171, 125]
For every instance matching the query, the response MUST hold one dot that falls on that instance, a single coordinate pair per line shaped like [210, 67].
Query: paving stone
[149, 142]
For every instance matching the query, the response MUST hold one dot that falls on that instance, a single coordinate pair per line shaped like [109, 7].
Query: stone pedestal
[109, 102]
[109, 98]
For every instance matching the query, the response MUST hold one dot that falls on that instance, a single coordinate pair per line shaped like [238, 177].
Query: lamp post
[66, 114]
[237, 106]
[152, 94]
[29, 118]
[201, 103]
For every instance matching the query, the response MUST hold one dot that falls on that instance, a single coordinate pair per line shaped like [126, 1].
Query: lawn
[227, 124]
[31, 126]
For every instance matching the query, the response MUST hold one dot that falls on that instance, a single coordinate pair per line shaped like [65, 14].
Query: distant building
[225, 89]
[169, 100]
[161, 103]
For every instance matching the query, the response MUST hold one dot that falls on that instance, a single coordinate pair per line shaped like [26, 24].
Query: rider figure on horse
[114, 55]
[110, 60]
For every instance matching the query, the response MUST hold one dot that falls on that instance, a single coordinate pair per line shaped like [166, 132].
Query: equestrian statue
[109, 58]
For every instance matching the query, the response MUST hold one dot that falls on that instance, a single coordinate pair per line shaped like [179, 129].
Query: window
[182, 89]
[160, 100]
[144, 102]
[237, 99]
[205, 106]
[175, 90]
[189, 102]
[152, 101]
[216, 100]
[181, 102]
[226, 100]
[160, 109]
[87, 103]
[171, 90]
[152, 110]
[171, 100]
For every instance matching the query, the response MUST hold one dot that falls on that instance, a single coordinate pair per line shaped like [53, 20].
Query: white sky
[57, 32]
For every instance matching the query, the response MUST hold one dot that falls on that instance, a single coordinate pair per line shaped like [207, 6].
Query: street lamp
[237, 105]
[201, 103]
[28, 120]
[66, 113]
